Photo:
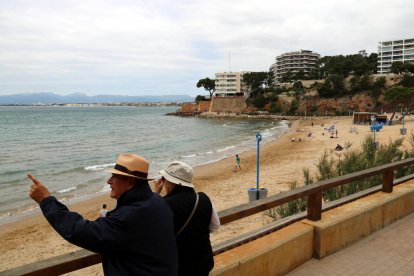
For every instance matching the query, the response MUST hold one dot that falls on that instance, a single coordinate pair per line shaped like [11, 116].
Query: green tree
[401, 96]
[407, 81]
[259, 82]
[366, 81]
[259, 101]
[346, 65]
[287, 77]
[300, 75]
[397, 67]
[200, 98]
[408, 67]
[208, 84]
[380, 82]
[293, 107]
[333, 86]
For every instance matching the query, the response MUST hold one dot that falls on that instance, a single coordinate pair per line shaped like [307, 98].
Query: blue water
[70, 148]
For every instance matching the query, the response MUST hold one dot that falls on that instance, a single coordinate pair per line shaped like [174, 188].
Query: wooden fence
[313, 192]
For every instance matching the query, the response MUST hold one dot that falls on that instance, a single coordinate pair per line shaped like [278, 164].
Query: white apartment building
[394, 50]
[230, 84]
[294, 62]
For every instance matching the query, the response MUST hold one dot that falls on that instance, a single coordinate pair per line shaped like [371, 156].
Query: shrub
[331, 165]
[292, 207]
[407, 81]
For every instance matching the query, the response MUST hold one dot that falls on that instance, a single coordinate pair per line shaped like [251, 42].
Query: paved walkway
[389, 251]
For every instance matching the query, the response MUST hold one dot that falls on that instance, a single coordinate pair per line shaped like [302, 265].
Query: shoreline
[16, 215]
[282, 162]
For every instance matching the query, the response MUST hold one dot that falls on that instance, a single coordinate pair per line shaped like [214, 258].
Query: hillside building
[230, 84]
[303, 60]
[394, 50]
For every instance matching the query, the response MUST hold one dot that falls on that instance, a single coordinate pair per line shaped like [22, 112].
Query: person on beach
[135, 238]
[338, 147]
[103, 211]
[194, 219]
[237, 158]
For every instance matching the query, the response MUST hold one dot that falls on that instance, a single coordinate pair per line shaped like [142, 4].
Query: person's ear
[131, 182]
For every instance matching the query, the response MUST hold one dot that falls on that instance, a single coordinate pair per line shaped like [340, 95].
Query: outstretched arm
[97, 236]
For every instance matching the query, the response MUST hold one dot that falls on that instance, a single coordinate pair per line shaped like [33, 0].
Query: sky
[163, 47]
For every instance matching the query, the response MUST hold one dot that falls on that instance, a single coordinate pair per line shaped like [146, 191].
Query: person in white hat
[194, 219]
[136, 238]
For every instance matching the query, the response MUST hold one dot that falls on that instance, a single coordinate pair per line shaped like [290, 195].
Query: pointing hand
[38, 192]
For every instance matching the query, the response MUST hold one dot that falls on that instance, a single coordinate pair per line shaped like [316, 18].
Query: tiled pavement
[389, 251]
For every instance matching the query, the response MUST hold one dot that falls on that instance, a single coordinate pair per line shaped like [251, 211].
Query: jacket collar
[138, 193]
[181, 189]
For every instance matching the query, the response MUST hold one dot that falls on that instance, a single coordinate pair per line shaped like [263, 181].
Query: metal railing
[313, 192]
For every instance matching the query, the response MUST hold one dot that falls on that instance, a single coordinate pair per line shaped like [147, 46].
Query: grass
[348, 161]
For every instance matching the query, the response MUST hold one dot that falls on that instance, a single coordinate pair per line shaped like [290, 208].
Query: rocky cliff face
[362, 102]
[341, 106]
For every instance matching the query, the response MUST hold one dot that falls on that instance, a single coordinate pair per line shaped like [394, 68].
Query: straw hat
[131, 165]
[178, 173]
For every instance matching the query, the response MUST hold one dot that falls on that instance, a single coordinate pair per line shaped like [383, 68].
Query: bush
[259, 101]
[330, 166]
[272, 97]
[407, 81]
[292, 207]
[380, 82]
[314, 109]
[275, 108]
[200, 98]
[293, 107]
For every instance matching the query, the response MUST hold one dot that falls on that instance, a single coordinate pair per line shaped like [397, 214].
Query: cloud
[164, 47]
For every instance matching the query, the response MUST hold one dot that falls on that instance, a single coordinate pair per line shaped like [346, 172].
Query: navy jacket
[136, 238]
[195, 255]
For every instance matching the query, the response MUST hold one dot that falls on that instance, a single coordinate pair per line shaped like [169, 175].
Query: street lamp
[258, 140]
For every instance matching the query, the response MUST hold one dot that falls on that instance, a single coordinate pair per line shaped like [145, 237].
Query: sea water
[70, 149]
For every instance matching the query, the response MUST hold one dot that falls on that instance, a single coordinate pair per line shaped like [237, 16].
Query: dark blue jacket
[195, 255]
[136, 238]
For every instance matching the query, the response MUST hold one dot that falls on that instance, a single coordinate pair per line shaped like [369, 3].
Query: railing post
[387, 181]
[315, 206]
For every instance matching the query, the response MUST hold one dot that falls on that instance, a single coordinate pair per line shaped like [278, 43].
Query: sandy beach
[282, 161]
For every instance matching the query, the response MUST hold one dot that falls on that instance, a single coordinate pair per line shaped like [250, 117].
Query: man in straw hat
[194, 219]
[136, 238]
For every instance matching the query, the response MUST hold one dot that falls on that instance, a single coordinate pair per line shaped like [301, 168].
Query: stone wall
[188, 107]
[228, 104]
[204, 106]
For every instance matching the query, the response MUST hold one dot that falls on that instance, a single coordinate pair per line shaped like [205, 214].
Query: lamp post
[258, 140]
[403, 131]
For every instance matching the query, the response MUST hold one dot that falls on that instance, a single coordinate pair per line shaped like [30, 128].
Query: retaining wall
[284, 250]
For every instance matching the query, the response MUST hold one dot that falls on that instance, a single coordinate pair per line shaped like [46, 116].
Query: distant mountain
[50, 98]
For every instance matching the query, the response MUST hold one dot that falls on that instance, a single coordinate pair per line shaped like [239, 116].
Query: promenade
[389, 251]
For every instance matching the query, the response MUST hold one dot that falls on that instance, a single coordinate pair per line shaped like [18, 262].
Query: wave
[189, 156]
[66, 190]
[226, 148]
[98, 167]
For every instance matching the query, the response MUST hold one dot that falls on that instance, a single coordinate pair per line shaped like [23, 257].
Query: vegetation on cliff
[335, 77]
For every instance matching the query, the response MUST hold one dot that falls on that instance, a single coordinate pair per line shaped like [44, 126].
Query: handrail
[84, 258]
[311, 190]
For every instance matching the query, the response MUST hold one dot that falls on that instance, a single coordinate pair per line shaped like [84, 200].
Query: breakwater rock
[254, 116]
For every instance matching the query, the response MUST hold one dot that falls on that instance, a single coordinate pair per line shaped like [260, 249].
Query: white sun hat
[178, 173]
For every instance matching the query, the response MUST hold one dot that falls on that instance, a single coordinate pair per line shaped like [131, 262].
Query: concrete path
[389, 251]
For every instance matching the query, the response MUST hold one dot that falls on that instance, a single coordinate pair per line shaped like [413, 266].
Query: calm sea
[70, 148]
